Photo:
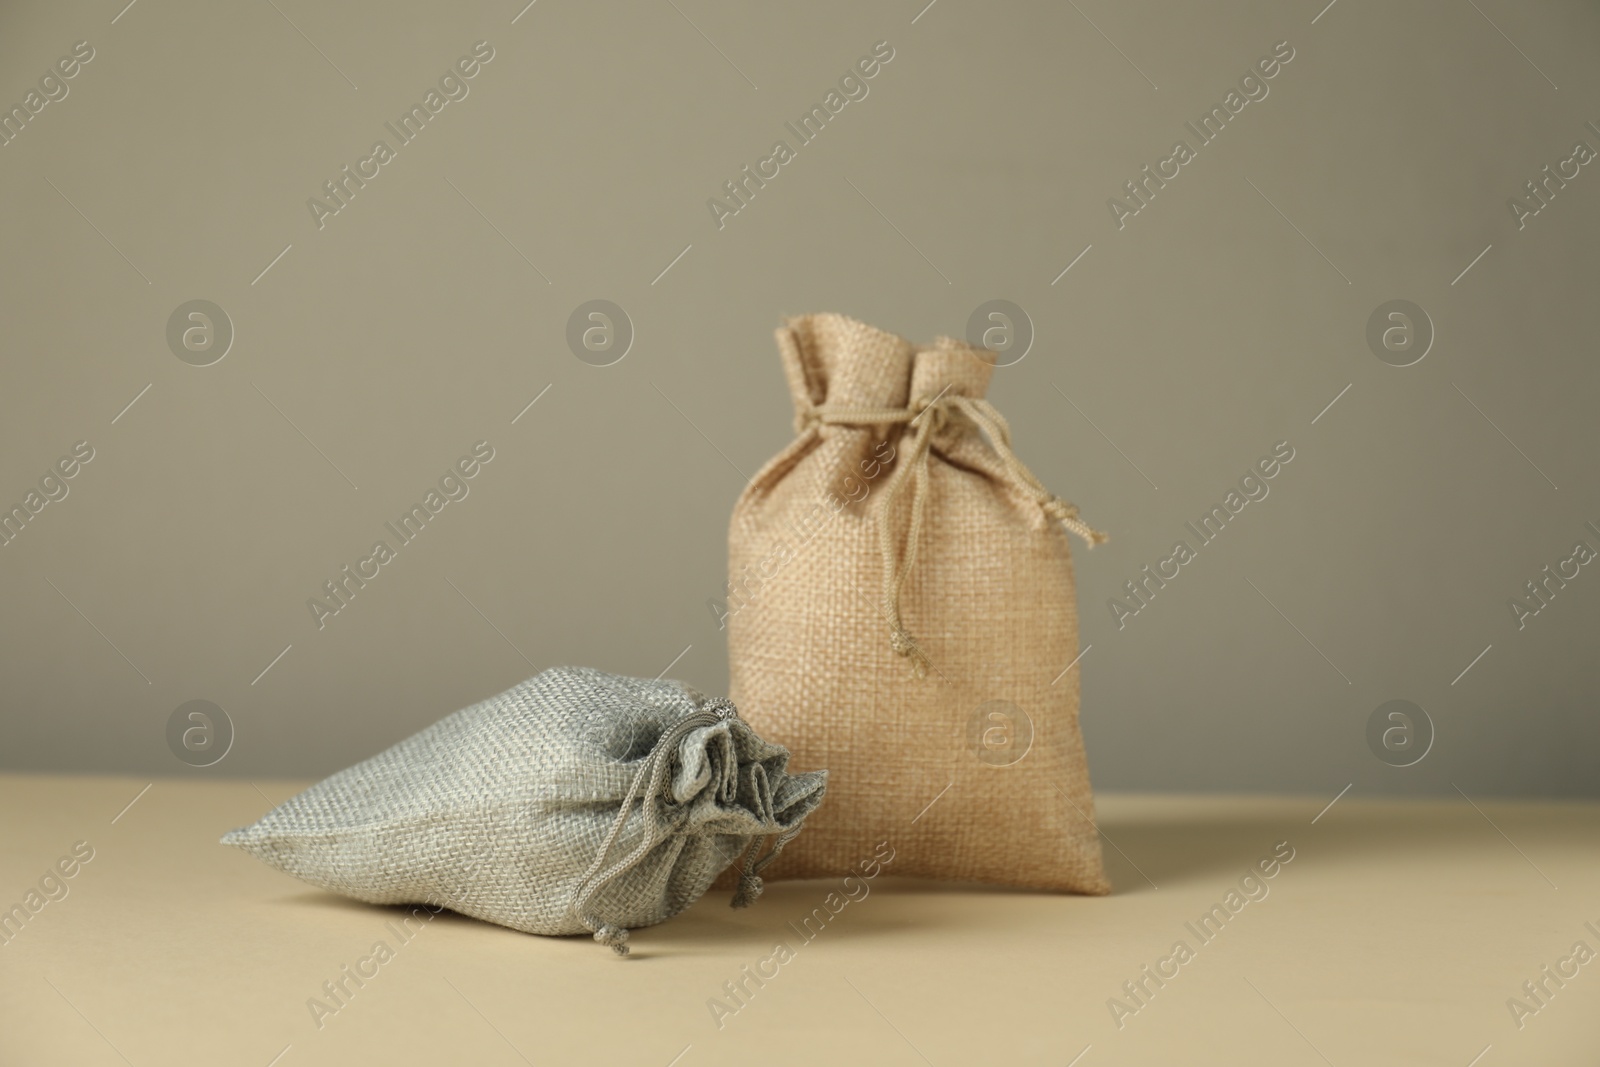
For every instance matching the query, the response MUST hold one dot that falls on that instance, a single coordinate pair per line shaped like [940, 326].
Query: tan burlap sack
[901, 610]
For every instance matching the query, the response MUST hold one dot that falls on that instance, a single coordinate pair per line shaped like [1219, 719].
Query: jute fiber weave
[924, 668]
[521, 809]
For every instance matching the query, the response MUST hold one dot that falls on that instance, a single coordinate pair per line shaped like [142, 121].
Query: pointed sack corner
[244, 837]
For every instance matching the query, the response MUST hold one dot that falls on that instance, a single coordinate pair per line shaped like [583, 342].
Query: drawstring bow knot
[924, 418]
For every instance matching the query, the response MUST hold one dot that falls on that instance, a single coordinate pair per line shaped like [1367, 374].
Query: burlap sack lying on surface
[925, 673]
[520, 809]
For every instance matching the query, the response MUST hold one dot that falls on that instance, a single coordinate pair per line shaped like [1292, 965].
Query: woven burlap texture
[943, 765]
[502, 810]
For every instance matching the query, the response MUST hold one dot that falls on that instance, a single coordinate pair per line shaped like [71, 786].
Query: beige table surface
[1396, 935]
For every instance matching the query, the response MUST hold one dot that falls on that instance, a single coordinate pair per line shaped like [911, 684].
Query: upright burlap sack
[901, 610]
[521, 809]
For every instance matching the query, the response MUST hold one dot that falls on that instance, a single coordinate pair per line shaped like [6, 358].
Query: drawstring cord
[929, 417]
[750, 884]
[647, 788]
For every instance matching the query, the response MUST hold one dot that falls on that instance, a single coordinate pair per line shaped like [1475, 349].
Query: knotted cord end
[750, 887]
[614, 936]
[906, 645]
[1067, 515]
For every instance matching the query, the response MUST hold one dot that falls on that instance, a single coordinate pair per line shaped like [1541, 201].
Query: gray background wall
[426, 314]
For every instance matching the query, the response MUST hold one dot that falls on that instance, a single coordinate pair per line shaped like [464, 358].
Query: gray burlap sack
[577, 800]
